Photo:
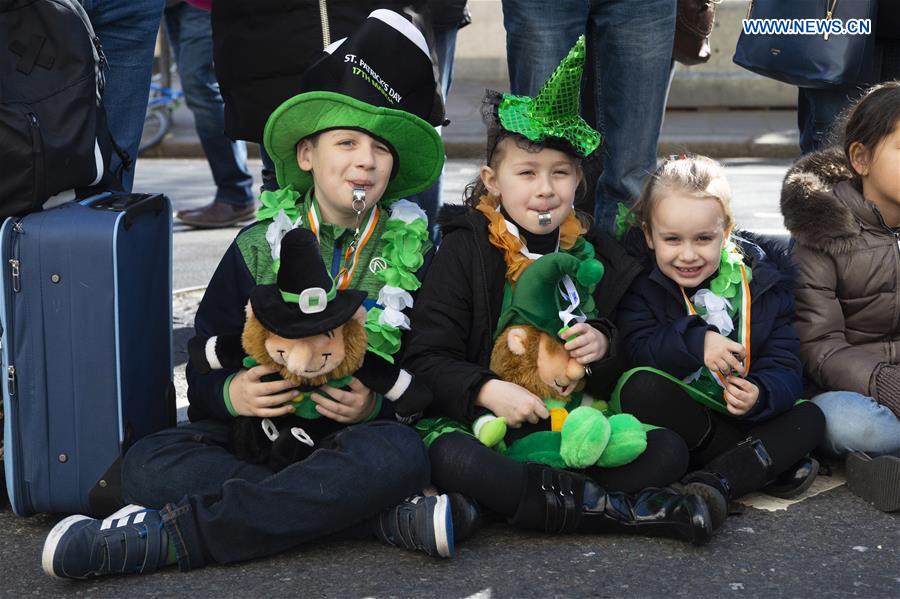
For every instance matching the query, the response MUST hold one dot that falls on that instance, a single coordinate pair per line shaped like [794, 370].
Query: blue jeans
[855, 422]
[430, 200]
[127, 31]
[190, 33]
[818, 111]
[631, 48]
[218, 509]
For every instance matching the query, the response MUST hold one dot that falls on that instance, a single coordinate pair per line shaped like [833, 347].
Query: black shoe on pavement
[466, 516]
[419, 523]
[795, 480]
[216, 215]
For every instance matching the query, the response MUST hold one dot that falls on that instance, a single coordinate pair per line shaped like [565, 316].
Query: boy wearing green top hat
[360, 137]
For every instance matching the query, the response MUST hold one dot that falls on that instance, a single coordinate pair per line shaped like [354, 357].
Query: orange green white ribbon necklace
[361, 236]
[733, 277]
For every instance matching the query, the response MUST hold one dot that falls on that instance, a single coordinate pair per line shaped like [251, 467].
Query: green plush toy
[554, 292]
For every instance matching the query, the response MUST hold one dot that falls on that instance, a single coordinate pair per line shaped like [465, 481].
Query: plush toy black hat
[379, 80]
[304, 302]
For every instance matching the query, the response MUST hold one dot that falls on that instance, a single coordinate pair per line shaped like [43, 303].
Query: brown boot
[216, 215]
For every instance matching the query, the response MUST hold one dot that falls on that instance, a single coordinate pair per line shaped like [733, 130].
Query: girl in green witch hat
[521, 208]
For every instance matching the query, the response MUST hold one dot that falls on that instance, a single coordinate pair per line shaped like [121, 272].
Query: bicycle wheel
[156, 125]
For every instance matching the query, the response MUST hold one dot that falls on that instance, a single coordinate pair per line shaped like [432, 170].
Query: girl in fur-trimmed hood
[843, 210]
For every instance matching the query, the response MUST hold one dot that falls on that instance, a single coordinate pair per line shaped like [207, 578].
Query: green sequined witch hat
[552, 116]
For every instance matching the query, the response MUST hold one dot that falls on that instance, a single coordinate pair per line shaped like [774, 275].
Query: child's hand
[346, 405]
[589, 344]
[251, 397]
[740, 395]
[511, 402]
[722, 354]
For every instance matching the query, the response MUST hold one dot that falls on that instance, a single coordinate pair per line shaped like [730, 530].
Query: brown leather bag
[693, 26]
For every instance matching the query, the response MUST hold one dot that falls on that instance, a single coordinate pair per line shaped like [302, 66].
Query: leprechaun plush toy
[314, 335]
[551, 294]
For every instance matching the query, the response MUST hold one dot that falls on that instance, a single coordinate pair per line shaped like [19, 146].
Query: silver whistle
[544, 218]
[359, 199]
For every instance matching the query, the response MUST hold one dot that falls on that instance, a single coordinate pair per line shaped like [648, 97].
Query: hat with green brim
[551, 118]
[360, 84]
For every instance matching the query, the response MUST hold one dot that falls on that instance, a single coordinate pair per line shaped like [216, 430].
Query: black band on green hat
[360, 84]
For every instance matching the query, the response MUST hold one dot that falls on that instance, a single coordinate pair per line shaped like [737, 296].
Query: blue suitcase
[86, 347]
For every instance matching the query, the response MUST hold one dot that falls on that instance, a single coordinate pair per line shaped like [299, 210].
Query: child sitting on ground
[359, 137]
[843, 208]
[521, 208]
[708, 326]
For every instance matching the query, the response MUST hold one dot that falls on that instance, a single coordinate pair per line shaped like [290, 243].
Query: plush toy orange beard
[308, 361]
[530, 358]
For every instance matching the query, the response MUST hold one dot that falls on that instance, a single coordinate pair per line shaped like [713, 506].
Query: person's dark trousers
[462, 463]
[786, 438]
[269, 181]
[127, 31]
[630, 44]
[430, 200]
[819, 112]
[218, 509]
[190, 34]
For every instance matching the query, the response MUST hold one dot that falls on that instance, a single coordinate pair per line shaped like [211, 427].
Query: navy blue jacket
[656, 330]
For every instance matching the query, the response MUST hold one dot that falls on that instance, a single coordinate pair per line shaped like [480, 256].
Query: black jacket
[261, 48]
[457, 309]
[656, 330]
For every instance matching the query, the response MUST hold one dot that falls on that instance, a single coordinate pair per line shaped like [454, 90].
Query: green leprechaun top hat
[572, 282]
[381, 81]
[553, 114]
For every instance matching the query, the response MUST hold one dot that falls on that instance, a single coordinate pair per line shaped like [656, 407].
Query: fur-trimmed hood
[822, 207]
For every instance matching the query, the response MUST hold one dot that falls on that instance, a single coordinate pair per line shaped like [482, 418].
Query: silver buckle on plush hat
[544, 218]
[313, 300]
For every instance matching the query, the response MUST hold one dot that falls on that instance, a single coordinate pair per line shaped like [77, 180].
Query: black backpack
[53, 132]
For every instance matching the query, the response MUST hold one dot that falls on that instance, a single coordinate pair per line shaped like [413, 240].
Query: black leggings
[460, 462]
[657, 400]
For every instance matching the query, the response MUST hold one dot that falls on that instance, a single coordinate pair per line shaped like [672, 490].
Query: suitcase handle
[132, 204]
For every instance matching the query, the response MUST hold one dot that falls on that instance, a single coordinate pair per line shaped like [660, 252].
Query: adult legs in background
[269, 182]
[631, 46]
[127, 31]
[818, 111]
[538, 36]
[190, 34]
[430, 200]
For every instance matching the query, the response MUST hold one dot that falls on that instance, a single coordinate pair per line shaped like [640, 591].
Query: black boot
[563, 502]
[714, 490]
[743, 469]
[795, 480]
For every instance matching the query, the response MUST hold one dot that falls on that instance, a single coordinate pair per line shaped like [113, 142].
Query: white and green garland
[406, 236]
